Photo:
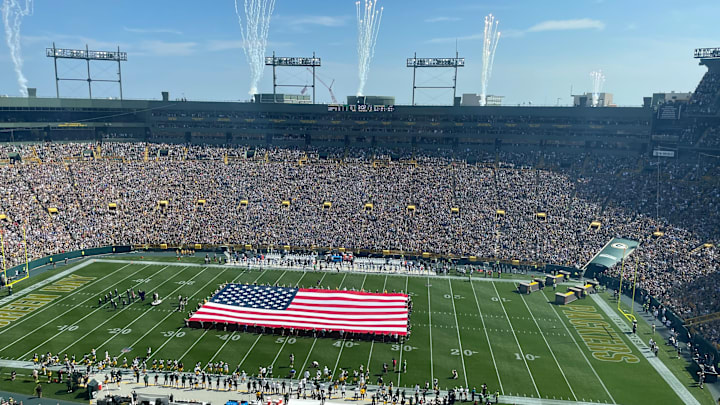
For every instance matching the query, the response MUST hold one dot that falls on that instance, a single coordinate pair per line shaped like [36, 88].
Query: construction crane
[332, 95]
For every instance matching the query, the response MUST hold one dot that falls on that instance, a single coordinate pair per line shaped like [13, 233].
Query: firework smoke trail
[368, 21]
[254, 35]
[491, 37]
[12, 14]
[598, 80]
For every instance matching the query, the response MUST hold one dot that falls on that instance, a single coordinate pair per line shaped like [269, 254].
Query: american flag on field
[306, 308]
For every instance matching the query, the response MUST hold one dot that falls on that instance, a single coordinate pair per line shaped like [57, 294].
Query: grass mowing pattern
[521, 345]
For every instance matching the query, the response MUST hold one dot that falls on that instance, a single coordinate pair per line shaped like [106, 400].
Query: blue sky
[192, 48]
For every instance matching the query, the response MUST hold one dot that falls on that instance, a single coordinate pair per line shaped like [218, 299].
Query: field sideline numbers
[466, 352]
[339, 343]
[185, 282]
[119, 331]
[528, 357]
[234, 338]
[405, 348]
[67, 328]
[456, 296]
[496, 299]
[173, 333]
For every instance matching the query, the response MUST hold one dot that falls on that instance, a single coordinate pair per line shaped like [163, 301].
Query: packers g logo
[618, 245]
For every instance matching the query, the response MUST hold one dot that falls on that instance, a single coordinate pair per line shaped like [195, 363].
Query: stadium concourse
[186, 194]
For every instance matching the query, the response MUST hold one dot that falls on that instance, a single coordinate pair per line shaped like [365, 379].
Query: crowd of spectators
[705, 98]
[185, 194]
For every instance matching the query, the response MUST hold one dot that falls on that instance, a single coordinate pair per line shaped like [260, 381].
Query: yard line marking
[548, 345]
[298, 282]
[171, 313]
[236, 277]
[249, 350]
[407, 278]
[516, 340]
[372, 342]
[432, 375]
[457, 328]
[342, 346]
[193, 345]
[80, 320]
[492, 355]
[302, 370]
[580, 350]
[122, 310]
[25, 318]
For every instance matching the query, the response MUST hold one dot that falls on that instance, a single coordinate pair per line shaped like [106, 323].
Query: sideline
[680, 389]
[310, 270]
[128, 386]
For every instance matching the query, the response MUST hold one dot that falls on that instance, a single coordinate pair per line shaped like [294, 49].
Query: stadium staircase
[703, 136]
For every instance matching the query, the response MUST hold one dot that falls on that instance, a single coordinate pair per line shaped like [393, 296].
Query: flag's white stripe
[278, 316]
[295, 313]
[300, 324]
[350, 303]
[376, 297]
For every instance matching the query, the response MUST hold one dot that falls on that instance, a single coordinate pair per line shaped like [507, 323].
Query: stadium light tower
[452, 63]
[86, 55]
[277, 61]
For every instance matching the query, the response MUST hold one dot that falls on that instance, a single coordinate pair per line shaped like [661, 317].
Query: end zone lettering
[22, 307]
[68, 284]
[599, 336]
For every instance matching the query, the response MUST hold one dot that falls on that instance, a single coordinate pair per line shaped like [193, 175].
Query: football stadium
[277, 250]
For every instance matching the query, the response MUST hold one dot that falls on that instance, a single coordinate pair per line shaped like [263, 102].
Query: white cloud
[442, 19]
[152, 31]
[563, 25]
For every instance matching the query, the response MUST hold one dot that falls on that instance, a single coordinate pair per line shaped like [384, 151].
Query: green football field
[520, 345]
